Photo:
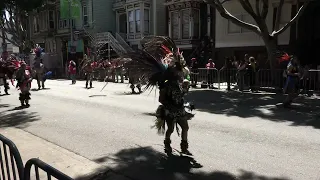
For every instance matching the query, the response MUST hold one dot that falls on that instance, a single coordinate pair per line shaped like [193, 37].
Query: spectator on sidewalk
[292, 83]
[242, 68]
[211, 68]
[252, 71]
[227, 67]
[195, 72]
[72, 69]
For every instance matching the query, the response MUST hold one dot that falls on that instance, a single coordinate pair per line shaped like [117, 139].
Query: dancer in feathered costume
[39, 67]
[161, 64]
[24, 79]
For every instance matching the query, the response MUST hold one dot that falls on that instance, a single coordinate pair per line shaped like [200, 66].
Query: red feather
[166, 50]
[284, 58]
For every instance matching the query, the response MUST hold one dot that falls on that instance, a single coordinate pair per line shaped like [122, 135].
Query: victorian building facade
[138, 18]
[191, 25]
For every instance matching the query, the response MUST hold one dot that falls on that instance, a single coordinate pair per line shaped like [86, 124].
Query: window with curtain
[138, 22]
[175, 25]
[131, 21]
[185, 23]
[196, 23]
[146, 20]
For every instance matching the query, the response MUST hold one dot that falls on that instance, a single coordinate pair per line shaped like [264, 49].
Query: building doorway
[123, 23]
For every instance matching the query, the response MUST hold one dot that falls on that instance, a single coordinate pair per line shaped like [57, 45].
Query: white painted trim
[185, 46]
[238, 44]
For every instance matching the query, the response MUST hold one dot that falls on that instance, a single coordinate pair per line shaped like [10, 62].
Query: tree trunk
[271, 46]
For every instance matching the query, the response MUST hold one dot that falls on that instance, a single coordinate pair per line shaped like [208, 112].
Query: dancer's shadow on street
[145, 163]
[15, 118]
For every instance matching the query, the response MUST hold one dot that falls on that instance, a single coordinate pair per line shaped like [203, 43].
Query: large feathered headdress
[158, 54]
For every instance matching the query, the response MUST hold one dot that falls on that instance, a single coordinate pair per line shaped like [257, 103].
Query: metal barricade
[311, 83]
[274, 78]
[207, 76]
[226, 75]
[49, 170]
[11, 165]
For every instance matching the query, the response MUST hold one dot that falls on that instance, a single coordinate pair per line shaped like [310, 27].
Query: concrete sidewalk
[31, 146]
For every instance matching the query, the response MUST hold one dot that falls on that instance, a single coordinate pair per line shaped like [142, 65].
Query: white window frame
[136, 21]
[144, 20]
[85, 15]
[179, 24]
[51, 20]
[64, 23]
[131, 21]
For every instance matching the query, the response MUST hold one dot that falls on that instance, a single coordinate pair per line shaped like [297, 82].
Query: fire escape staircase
[118, 44]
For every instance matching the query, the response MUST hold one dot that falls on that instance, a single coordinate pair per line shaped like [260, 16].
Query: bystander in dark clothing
[211, 67]
[242, 69]
[252, 71]
[292, 83]
[194, 72]
[227, 67]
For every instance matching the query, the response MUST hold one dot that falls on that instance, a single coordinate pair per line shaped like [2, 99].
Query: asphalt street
[232, 134]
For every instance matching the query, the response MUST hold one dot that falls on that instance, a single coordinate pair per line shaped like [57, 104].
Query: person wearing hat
[24, 78]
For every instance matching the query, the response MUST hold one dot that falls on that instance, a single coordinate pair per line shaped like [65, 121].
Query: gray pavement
[232, 135]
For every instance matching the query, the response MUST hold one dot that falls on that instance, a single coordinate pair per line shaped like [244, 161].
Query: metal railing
[263, 78]
[50, 171]
[11, 164]
[123, 43]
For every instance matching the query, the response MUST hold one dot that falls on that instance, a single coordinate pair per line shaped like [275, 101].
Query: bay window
[196, 23]
[185, 23]
[131, 21]
[175, 25]
[137, 19]
[146, 21]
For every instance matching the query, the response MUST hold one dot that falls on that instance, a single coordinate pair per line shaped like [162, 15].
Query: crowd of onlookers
[246, 71]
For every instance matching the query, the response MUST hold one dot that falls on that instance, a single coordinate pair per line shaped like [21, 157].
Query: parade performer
[24, 79]
[72, 69]
[88, 71]
[38, 67]
[161, 64]
[292, 82]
